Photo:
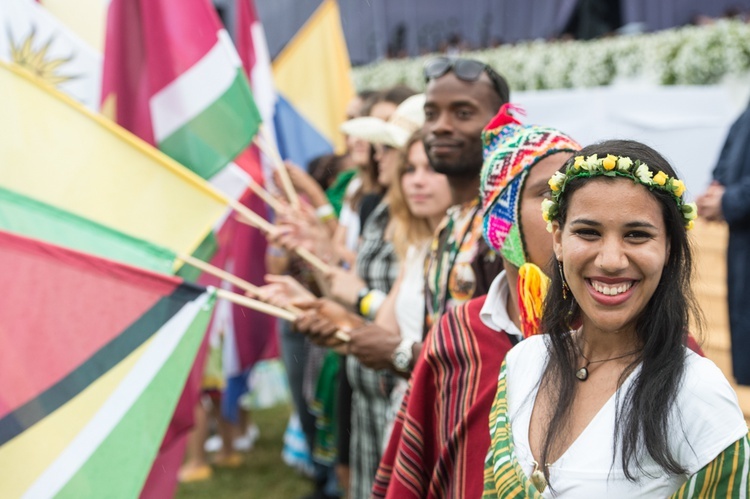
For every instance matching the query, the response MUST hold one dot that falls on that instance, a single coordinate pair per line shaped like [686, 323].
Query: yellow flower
[578, 162]
[553, 185]
[690, 225]
[609, 162]
[660, 178]
[678, 187]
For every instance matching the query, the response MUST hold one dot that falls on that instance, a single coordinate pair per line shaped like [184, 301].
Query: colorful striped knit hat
[510, 151]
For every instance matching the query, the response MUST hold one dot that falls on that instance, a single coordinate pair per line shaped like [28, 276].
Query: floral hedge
[682, 56]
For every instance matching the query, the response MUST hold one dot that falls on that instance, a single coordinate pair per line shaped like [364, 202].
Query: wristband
[370, 304]
[360, 296]
[325, 213]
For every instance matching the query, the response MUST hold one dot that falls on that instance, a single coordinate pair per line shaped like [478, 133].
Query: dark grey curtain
[662, 14]
[381, 28]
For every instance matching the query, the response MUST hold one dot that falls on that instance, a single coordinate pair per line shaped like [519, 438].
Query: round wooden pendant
[582, 374]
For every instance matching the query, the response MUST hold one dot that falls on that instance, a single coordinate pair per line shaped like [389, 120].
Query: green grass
[264, 475]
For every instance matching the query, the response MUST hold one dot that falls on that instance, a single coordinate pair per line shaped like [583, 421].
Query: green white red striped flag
[172, 76]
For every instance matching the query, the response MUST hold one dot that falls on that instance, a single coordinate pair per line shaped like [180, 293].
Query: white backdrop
[687, 125]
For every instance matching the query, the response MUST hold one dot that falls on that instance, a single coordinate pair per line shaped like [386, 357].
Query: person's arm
[386, 316]
[323, 319]
[735, 157]
[343, 253]
[735, 203]
[723, 164]
[283, 291]
[726, 476]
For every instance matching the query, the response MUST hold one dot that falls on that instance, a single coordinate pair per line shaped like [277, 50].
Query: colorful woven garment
[440, 436]
[510, 151]
[503, 476]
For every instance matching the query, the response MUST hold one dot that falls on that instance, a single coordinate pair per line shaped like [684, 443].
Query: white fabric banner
[687, 125]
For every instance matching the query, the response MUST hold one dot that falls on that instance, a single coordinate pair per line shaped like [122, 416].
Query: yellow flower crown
[616, 166]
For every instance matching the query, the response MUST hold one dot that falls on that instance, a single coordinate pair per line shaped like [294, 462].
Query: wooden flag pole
[252, 218]
[266, 146]
[266, 196]
[313, 260]
[256, 305]
[265, 308]
[220, 273]
[231, 278]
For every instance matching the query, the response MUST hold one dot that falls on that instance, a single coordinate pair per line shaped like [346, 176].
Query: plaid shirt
[378, 266]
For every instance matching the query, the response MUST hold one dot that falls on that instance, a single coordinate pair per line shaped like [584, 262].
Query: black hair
[642, 417]
[395, 95]
[324, 169]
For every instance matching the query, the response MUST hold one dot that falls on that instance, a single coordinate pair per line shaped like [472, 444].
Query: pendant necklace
[537, 478]
[583, 373]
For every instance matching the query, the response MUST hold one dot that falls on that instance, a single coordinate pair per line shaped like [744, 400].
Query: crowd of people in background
[441, 265]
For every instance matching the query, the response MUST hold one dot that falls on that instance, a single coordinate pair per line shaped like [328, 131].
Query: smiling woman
[609, 399]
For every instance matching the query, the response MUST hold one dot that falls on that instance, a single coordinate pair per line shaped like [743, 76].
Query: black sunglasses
[466, 70]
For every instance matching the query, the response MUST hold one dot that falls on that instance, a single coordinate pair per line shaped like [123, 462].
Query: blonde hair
[408, 229]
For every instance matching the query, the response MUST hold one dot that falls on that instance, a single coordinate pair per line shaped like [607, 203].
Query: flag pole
[230, 278]
[266, 146]
[272, 310]
[266, 196]
[249, 217]
[256, 305]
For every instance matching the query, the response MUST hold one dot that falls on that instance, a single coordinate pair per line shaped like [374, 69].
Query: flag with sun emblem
[33, 38]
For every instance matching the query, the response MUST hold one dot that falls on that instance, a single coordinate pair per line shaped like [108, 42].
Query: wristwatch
[402, 356]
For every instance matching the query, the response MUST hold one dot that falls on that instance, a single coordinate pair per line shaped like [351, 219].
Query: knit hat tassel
[532, 289]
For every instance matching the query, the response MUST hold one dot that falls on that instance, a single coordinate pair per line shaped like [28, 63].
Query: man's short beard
[464, 168]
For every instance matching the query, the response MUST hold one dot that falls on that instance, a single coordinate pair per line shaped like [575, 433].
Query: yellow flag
[56, 151]
[313, 73]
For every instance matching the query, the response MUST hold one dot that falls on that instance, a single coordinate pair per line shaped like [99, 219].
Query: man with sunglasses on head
[462, 96]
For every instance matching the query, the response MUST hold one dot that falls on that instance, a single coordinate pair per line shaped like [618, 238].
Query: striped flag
[28, 217]
[247, 335]
[172, 76]
[57, 152]
[95, 356]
